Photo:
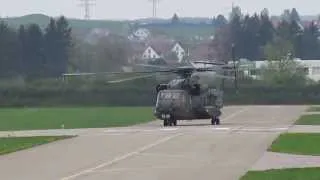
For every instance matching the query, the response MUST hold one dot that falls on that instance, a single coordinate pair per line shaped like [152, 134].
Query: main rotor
[211, 69]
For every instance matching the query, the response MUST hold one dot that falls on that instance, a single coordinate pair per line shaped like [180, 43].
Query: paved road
[192, 150]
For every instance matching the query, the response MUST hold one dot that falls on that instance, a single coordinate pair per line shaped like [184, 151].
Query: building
[140, 34]
[311, 67]
[172, 52]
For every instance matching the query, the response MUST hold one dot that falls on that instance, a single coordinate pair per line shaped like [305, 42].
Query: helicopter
[195, 94]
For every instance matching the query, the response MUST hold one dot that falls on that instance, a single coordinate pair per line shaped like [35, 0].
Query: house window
[149, 51]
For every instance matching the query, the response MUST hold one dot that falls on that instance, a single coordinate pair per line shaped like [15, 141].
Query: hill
[189, 27]
[78, 25]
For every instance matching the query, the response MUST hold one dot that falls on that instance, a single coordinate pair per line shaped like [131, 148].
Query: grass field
[313, 109]
[297, 143]
[89, 117]
[9, 145]
[284, 174]
[310, 119]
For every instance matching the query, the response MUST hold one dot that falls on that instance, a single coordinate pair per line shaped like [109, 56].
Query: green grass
[314, 109]
[284, 174]
[13, 144]
[310, 119]
[297, 143]
[86, 117]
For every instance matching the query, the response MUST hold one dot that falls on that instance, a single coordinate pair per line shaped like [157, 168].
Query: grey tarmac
[271, 160]
[192, 150]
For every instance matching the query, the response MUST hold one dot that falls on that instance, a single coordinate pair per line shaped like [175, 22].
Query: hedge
[140, 93]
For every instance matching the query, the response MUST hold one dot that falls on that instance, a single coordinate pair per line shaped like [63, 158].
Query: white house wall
[142, 33]
[179, 51]
[150, 53]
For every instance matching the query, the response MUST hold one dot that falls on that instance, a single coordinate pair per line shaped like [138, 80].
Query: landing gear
[215, 121]
[165, 122]
[169, 122]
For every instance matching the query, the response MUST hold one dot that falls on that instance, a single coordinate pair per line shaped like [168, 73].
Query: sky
[134, 9]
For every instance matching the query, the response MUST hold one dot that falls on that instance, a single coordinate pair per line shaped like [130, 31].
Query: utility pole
[87, 5]
[154, 7]
[234, 66]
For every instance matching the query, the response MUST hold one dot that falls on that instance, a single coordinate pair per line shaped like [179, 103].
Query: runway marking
[223, 129]
[169, 129]
[236, 113]
[264, 129]
[121, 130]
[144, 148]
[140, 169]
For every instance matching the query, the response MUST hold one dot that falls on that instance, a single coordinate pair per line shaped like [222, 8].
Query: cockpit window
[171, 95]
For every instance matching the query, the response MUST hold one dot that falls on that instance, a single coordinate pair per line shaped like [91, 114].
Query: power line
[87, 5]
[154, 7]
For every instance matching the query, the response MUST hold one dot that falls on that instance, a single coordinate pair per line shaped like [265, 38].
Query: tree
[281, 68]
[294, 15]
[286, 15]
[310, 45]
[108, 54]
[251, 37]
[265, 12]
[9, 56]
[266, 30]
[236, 35]
[235, 12]
[175, 19]
[220, 20]
[222, 43]
[33, 52]
[51, 48]
[58, 43]
[291, 31]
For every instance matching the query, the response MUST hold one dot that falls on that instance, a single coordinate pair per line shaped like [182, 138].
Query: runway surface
[192, 150]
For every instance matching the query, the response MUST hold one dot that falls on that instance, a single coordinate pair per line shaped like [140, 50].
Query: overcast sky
[132, 9]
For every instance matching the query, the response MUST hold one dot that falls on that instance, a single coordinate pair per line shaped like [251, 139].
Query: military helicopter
[196, 93]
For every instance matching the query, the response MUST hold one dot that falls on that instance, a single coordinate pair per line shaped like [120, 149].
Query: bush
[140, 93]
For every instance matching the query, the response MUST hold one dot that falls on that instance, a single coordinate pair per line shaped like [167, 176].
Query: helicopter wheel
[174, 122]
[166, 122]
[169, 122]
[215, 121]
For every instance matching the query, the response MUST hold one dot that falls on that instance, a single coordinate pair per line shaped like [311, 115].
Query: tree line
[252, 36]
[33, 52]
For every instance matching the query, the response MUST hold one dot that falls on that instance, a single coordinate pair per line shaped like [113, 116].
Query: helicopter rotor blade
[128, 79]
[113, 73]
[153, 66]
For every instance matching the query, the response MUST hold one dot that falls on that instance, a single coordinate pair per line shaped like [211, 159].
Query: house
[140, 34]
[172, 52]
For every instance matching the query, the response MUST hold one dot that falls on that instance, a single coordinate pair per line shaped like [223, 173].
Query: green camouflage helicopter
[196, 93]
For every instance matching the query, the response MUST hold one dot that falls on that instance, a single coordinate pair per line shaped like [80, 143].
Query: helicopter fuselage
[182, 100]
